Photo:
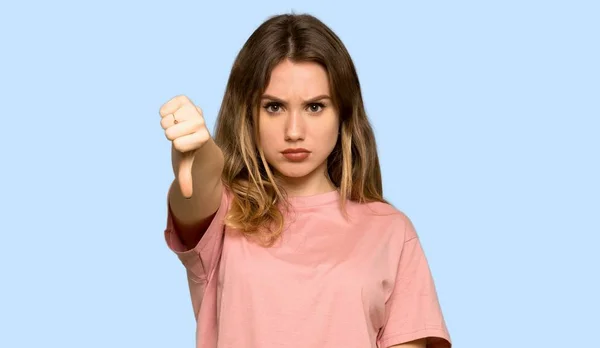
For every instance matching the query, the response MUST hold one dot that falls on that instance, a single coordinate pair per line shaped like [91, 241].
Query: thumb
[185, 174]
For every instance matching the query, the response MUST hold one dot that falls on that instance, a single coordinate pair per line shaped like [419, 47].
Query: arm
[192, 216]
[195, 194]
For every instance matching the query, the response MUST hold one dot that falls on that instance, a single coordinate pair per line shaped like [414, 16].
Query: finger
[185, 112]
[168, 121]
[185, 175]
[191, 141]
[173, 105]
[182, 129]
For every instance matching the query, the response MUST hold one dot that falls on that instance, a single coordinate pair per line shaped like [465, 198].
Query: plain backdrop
[486, 115]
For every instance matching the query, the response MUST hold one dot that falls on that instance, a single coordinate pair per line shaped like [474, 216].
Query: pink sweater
[328, 282]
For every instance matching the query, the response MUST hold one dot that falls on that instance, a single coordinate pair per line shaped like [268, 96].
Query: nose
[295, 126]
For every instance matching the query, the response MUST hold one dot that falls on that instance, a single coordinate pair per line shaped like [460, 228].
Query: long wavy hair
[353, 165]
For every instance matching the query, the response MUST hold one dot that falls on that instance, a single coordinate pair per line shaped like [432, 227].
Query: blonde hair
[353, 165]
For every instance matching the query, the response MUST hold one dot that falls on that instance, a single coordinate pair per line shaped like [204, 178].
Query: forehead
[298, 80]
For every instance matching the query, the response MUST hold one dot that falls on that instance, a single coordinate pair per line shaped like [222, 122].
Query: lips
[296, 155]
[297, 150]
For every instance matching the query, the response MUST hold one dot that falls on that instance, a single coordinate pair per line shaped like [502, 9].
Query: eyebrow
[311, 100]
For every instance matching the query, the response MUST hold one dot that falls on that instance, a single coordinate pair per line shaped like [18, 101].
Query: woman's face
[298, 123]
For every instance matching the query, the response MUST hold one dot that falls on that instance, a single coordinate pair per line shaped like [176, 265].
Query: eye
[272, 107]
[316, 107]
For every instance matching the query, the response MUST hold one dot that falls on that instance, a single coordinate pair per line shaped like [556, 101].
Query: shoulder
[384, 218]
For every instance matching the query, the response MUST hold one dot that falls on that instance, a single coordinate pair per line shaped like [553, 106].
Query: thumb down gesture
[185, 127]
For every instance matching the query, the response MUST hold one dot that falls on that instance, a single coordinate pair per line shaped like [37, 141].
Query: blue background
[487, 120]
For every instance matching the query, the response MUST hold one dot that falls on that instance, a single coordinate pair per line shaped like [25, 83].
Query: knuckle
[203, 136]
[179, 145]
[167, 108]
[199, 125]
[183, 99]
[169, 134]
[163, 110]
[165, 123]
[186, 108]
[188, 112]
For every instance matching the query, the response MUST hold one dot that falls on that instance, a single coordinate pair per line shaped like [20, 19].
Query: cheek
[266, 136]
[329, 133]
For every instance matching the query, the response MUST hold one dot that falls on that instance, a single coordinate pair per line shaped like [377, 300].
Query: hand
[185, 127]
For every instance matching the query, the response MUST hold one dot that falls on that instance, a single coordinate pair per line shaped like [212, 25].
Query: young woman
[280, 219]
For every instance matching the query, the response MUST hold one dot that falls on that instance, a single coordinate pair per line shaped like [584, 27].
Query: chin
[294, 170]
